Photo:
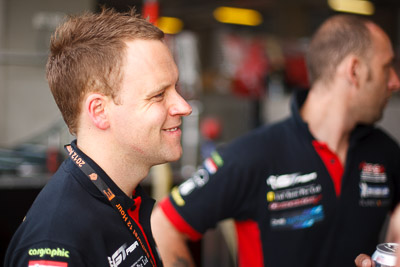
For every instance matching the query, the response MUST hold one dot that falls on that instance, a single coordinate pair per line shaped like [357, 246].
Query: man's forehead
[380, 41]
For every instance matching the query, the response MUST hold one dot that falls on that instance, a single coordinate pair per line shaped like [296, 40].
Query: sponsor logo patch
[368, 191]
[375, 203]
[288, 180]
[176, 196]
[298, 219]
[210, 166]
[120, 255]
[198, 180]
[45, 263]
[52, 252]
[312, 200]
[142, 261]
[374, 190]
[373, 173]
[294, 193]
[212, 163]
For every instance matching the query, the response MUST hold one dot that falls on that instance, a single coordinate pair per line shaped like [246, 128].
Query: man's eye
[160, 95]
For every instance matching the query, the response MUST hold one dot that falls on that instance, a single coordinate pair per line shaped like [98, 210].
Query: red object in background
[151, 11]
[53, 159]
[210, 128]
[296, 71]
[250, 78]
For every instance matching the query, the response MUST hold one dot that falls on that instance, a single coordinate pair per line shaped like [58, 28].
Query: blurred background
[239, 63]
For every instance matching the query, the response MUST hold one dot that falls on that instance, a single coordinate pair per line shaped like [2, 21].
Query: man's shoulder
[384, 139]
[258, 144]
[266, 135]
[63, 217]
[60, 212]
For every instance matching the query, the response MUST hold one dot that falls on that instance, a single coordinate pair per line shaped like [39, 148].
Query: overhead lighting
[362, 7]
[170, 25]
[239, 16]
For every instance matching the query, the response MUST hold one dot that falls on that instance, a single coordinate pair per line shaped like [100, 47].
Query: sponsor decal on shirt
[373, 173]
[367, 191]
[45, 263]
[198, 180]
[294, 193]
[312, 200]
[288, 180]
[298, 219]
[375, 202]
[142, 261]
[41, 252]
[176, 196]
[374, 190]
[212, 163]
[120, 255]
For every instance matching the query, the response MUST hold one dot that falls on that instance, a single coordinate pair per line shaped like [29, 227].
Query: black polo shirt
[71, 223]
[293, 202]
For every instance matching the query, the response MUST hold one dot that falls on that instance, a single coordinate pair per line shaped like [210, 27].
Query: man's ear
[353, 71]
[96, 107]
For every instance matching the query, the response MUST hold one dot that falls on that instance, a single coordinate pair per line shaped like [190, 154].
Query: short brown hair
[87, 55]
[336, 38]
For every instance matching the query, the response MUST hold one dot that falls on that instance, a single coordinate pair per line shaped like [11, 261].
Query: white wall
[26, 104]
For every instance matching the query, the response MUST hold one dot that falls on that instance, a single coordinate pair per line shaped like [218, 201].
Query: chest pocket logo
[374, 190]
[288, 180]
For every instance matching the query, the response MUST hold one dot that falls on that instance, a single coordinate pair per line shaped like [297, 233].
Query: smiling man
[114, 81]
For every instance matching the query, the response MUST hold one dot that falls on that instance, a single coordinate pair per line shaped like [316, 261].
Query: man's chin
[176, 158]
[174, 155]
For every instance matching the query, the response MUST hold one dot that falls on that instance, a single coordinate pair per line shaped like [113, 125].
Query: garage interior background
[214, 60]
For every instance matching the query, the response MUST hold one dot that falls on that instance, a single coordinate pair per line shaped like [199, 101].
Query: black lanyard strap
[101, 185]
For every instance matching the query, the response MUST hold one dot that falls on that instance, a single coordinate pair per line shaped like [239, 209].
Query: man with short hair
[311, 190]
[114, 81]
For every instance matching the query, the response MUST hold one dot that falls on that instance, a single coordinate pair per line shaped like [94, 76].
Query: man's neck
[329, 120]
[125, 172]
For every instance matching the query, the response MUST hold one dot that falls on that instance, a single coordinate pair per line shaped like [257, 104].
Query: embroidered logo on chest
[288, 180]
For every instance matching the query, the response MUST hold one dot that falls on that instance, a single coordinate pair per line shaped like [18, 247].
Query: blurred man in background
[113, 79]
[314, 189]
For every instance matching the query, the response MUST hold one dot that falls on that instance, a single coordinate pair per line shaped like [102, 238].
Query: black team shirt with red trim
[71, 223]
[292, 200]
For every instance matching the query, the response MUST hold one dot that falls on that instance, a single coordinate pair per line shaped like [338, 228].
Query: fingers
[363, 260]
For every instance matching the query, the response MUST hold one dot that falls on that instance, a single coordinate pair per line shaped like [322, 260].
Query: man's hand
[364, 260]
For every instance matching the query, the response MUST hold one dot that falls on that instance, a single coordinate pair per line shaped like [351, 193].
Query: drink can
[385, 255]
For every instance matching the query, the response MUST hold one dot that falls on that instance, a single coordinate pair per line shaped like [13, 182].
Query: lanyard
[101, 185]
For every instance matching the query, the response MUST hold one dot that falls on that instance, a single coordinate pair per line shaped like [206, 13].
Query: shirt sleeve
[45, 254]
[223, 187]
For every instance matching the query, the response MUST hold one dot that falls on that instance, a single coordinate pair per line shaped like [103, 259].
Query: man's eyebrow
[161, 87]
[157, 90]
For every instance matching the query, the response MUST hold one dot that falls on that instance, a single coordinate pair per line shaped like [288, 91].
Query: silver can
[385, 255]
